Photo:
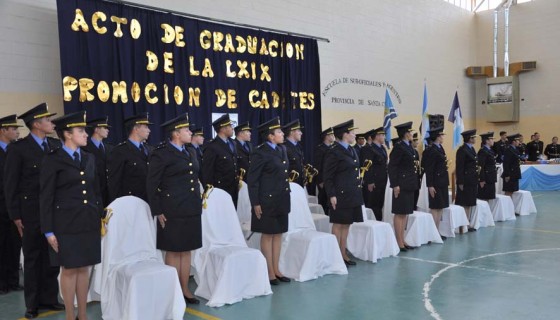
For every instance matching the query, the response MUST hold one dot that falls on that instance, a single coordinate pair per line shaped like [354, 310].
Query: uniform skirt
[77, 250]
[511, 186]
[440, 199]
[467, 196]
[346, 215]
[269, 224]
[404, 204]
[180, 234]
[488, 192]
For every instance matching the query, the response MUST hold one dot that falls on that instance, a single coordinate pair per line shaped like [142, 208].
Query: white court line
[427, 286]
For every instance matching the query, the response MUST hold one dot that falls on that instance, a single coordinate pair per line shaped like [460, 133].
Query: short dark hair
[128, 128]
[502, 133]
[60, 133]
[339, 135]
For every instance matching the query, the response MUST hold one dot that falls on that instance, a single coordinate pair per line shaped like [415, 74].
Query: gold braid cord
[241, 176]
[105, 221]
[206, 194]
[309, 173]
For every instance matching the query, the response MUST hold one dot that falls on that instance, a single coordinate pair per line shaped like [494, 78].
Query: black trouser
[322, 198]
[10, 248]
[39, 277]
[376, 200]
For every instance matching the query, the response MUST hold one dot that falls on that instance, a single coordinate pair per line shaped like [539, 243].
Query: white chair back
[300, 215]
[244, 204]
[220, 225]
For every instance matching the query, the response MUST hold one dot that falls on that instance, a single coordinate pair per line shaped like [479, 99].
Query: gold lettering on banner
[264, 74]
[86, 84]
[79, 22]
[165, 94]
[207, 71]
[135, 29]
[221, 97]
[241, 44]
[192, 70]
[150, 87]
[103, 91]
[311, 98]
[254, 103]
[194, 97]
[179, 36]
[252, 44]
[264, 101]
[289, 50]
[94, 21]
[242, 69]
[152, 61]
[303, 100]
[264, 49]
[229, 44]
[135, 92]
[178, 95]
[119, 90]
[231, 99]
[168, 62]
[254, 70]
[275, 99]
[168, 33]
[205, 36]
[229, 73]
[299, 51]
[218, 37]
[272, 46]
[118, 32]
[69, 84]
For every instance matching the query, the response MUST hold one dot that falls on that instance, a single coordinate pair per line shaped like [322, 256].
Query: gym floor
[510, 271]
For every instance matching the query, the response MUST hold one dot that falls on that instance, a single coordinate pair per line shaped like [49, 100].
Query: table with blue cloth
[540, 177]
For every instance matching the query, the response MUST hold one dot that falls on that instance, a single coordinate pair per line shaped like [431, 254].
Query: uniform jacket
[127, 168]
[466, 165]
[403, 169]
[268, 180]
[534, 150]
[318, 160]
[552, 151]
[70, 198]
[296, 159]
[342, 176]
[172, 183]
[243, 156]
[487, 163]
[101, 166]
[21, 174]
[219, 166]
[512, 168]
[3, 209]
[434, 162]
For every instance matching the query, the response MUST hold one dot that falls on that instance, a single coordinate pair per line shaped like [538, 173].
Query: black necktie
[230, 145]
[45, 146]
[102, 148]
[199, 152]
[143, 150]
[246, 147]
[77, 158]
[186, 153]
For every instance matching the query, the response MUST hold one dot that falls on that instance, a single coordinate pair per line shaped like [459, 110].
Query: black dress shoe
[53, 307]
[409, 247]
[472, 229]
[31, 313]
[17, 287]
[443, 238]
[274, 282]
[403, 249]
[350, 262]
[283, 279]
[192, 300]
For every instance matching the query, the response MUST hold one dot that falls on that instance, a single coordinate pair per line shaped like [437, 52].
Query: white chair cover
[453, 217]
[523, 201]
[502, 208]
[423, 202]
[371, 240]
[481, 215]
[306, 253]
[499, 180]
[316, 208]
[421, 229]
[368, 213]
[388, 206]
[313, 199]
[244, 204]
[132, 280]
[227, 271]
[322, 222]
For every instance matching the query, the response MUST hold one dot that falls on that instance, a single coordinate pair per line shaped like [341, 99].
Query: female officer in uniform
[343, 185]
[487, 161]
[466, 172]
[71, 209]
[512, 170]
[174, 195]
[269, 191]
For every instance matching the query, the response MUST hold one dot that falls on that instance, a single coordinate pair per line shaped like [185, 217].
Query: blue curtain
[534, 180]
[104, 57]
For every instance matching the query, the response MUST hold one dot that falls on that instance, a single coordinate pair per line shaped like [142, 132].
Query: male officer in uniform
[219, 161]
[98, 132]
[466, 172]
[487, 176]
[243, 146]
[500, 146]
[197, 141]
[21, 178]
[127, 164]
[292, 134]
[420, 169]
[522, 148]
[10, 240]
[327, 139]
[552, 151]
[378, 173]
[535, 148]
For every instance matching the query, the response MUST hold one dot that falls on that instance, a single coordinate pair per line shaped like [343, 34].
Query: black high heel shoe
[283, 279]
[403, 249]
[274, 282]
[192, 300]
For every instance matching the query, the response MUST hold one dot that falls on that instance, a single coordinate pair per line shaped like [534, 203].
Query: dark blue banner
[118, 60]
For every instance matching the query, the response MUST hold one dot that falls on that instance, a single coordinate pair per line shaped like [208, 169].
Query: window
[480, 5]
